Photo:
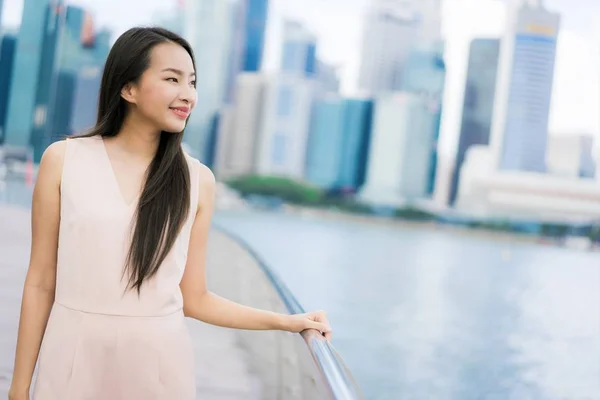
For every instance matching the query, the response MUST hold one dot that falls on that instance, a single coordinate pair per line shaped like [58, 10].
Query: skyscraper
[425, 71]
[237, 48]
[425, 75]
[28, 55]
[327, 77]
[70, 46]
[86, 65]
[390, 30]
[285, 125]
[241, 125]
[357, 137]
[208, 28]
[429, 15]
[256, 21]
[324, 148]
[478, 102]
[338, 142]
[85, 99]
[62, 105]
[47, 80]
[7, 54]
[399, 163]
[524, 88]
[299, 55]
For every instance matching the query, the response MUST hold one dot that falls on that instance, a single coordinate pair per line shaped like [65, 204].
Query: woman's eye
[172, 79]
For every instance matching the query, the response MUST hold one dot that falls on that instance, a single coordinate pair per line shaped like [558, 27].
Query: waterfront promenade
[230, 365]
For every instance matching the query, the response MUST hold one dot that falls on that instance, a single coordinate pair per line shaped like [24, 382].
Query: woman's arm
[38, 291]
[201, 304]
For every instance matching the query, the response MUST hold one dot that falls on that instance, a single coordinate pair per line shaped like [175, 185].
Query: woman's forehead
[171, 56]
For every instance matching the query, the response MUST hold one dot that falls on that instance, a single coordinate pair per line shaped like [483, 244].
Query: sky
[338, 25]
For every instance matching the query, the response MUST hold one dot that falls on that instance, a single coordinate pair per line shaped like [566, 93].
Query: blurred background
[424, 170]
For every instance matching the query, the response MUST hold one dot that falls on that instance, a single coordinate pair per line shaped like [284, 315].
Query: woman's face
[166, 91]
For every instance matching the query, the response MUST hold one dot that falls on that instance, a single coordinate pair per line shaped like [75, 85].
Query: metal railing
[336, 376]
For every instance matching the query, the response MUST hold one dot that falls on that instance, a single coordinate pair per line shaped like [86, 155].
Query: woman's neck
[138, 139]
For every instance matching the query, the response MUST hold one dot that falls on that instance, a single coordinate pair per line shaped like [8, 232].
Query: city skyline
[404, 146]
[572, 110]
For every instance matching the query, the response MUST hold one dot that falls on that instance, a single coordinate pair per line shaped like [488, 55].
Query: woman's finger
[321, 327]
[325, 329]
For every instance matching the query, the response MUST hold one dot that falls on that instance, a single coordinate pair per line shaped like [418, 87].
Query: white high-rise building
[208, 28]
[285, 124]
[390, 31]
[327, 77]
[519, 131]
[299, 50]
[429, 14]
[399, 162]
[240, 128]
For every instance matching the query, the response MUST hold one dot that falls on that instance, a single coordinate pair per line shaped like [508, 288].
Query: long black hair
[165, 199]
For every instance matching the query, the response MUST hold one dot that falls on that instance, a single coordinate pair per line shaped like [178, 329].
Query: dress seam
[119, 315]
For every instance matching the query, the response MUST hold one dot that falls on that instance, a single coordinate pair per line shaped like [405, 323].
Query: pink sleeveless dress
[102, 342]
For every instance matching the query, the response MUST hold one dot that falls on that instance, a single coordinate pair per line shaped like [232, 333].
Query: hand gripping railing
[336, 376]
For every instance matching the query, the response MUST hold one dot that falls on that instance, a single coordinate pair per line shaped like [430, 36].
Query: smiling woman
[120, 223]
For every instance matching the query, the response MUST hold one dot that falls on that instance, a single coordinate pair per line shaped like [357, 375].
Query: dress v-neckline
[115, 180]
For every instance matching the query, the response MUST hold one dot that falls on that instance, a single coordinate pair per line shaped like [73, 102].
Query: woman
[120, 221]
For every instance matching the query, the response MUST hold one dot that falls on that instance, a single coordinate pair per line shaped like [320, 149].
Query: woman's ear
[128, 93]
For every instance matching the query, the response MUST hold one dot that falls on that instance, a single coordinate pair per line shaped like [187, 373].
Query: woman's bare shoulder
[52, 161]
[56, 149]
[204, 173]
[206, 176]
[206, 181]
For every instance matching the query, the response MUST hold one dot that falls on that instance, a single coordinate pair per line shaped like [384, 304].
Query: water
[426, 314]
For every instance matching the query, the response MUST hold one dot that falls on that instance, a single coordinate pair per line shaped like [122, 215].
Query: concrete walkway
[223, 368]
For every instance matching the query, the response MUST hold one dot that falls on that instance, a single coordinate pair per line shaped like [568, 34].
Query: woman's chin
[174, 128]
